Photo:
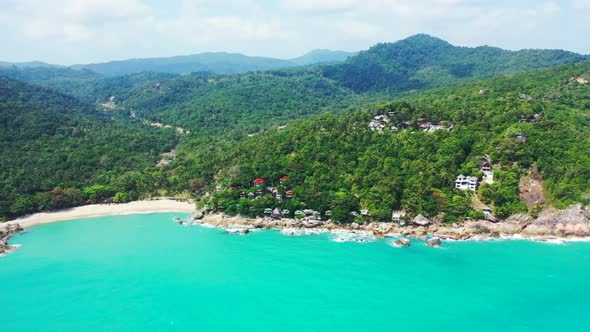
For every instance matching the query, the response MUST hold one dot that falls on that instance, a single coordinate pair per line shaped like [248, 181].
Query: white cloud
[76, 32]
[319, 5]
[103, 11]
[581, 4]
[70, 31]
[551, 8]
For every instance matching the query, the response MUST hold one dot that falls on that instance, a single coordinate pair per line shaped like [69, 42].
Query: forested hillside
[422, 61]
[417, 146]
[86, 85]
[243, 104]
[209, 104]
[248, 102]
[400, 155]
[55, 148]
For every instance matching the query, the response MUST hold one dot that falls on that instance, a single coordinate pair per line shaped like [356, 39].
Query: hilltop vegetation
[423, 61]
[338, 163]
[210, 104]
[243, 104]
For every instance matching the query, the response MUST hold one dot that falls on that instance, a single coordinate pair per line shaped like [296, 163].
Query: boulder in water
[434, 242]
[403, 242]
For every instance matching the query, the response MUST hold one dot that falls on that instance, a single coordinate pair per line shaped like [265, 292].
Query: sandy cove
[97, 210]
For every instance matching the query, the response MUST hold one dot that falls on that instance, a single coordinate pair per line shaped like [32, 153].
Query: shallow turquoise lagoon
[147, 273]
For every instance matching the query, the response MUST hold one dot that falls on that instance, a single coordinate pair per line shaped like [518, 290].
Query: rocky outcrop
[198, 215]
[311, 223]
[514, 224]
[403, 242]
[6, 231]
[420, 220]
[434, 242]
[571, 222]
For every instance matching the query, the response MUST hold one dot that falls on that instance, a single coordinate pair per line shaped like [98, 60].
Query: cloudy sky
[83, 31]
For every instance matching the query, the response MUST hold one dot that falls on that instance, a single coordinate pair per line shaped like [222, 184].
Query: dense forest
[210, 104]
[534, 121]
[361, 135]
[58, 152]
[423, 61]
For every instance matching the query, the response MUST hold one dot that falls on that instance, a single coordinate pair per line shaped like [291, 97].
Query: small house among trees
[466, 182]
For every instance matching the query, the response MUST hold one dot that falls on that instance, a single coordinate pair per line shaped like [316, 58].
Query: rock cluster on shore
[573, 222]
[6, 231]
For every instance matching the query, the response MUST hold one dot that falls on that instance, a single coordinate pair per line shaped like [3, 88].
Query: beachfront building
[466, 182]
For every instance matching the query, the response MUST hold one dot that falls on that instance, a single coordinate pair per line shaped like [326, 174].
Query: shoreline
[99, 210]
[514, 229]
[556, 227]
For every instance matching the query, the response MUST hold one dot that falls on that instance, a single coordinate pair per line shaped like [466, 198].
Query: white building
[488, 173]
[466, 182]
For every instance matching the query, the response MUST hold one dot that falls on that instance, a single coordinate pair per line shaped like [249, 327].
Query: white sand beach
[96, 210]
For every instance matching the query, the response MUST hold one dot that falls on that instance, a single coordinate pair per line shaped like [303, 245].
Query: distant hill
[31, 64]
[253, 101]
[214, 62]
[423, 61]
[217, 62]
[207, 103]
[85, 84]
[322, 57]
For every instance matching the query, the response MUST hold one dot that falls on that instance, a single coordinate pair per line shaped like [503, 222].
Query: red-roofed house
[288, 193]
[259, 181]
[284, 178]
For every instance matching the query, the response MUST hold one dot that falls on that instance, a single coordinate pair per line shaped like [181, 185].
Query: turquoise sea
[147, 273]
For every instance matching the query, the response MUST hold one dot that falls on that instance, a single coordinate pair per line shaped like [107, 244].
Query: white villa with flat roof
[466, 182]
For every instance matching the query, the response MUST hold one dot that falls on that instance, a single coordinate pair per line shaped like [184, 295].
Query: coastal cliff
[6, 231]
[573, 222]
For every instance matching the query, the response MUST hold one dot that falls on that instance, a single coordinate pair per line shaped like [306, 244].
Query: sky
[86, 31]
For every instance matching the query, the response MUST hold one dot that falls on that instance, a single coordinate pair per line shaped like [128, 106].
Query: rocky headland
[6, 231]
[570, 223]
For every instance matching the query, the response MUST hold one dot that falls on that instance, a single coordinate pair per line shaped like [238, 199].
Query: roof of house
[259, 181]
